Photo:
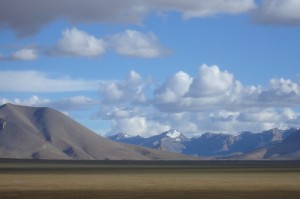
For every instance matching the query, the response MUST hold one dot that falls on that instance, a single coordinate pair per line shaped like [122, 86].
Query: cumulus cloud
[268, 115]
[35, 14]
[25, 54]
[75, 42]
[211, 88]
[132, 126]
[35, 81]
[136, 105]
[134, 43]
[186, 102]
[129, 91]
[278, 12]
[124, 103]
[211, 82]
[212, 100]
[138, 126]
[215, 89]
[175, 87]
[281, 91]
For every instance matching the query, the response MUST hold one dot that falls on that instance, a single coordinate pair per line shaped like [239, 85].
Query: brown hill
[43, 133]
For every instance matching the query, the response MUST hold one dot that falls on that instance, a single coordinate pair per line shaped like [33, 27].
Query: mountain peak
[17, 107]
[9, 105]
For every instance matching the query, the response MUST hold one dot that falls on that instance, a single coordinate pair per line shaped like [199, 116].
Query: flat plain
[149, 179]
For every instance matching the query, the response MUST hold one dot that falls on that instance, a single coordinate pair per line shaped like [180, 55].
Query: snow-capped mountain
[210, 144]
[171, 140]
[168, 141]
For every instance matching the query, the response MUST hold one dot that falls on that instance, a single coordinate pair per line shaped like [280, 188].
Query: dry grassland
[148, 181]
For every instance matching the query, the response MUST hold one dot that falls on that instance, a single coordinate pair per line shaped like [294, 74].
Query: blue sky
[143, 67]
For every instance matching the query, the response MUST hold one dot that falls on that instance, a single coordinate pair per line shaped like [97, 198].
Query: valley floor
[131, 179]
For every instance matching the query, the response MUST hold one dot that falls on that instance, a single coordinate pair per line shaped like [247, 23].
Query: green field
[152, 179]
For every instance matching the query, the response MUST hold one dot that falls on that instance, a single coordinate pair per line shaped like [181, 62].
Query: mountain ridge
[44, 133]
[216, 145]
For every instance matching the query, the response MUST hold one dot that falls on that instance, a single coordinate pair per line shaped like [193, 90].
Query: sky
[143, 67]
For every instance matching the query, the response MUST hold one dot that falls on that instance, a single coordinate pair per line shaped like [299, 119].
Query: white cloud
[35, 81]
[78, 43]
[211, 82]
[131, 126]
[124, 103]
[73, 103]
[25, 54]
[129, 91]
[137, 44]
[215, 101]
[75, 42]
[211, 101]
[211, 89]
[135, 106]
[36, 14]
[137, 126]
[284, 12]
[129, 105]
[268, 115]
[175, 87]
[282, 92]
[284, 87]
[226, 121]
[109, 113]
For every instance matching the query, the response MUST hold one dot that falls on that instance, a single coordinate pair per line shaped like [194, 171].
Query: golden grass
[152, 181]
[156, 182]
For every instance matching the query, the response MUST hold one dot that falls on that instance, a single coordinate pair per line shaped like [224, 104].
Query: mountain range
[44, 133]
[271, 144]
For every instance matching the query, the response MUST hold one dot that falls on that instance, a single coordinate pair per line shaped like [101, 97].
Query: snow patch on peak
[173, 134]
[119, 136]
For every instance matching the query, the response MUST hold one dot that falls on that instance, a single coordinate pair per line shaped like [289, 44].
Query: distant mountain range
[271, 144]
[44, 133]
